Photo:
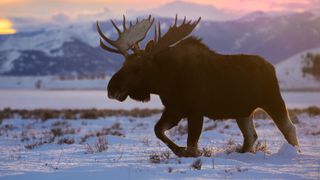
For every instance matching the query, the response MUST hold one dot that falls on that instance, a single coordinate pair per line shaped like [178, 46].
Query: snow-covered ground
[30, 149]
[50, 83]
[70, 99]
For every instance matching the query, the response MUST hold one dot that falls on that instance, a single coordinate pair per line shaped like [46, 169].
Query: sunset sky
[48, 8]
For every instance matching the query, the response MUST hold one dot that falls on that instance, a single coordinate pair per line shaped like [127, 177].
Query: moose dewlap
[194, 81]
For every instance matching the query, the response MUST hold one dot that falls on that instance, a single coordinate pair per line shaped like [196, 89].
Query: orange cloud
[6, 27]
[12, 2]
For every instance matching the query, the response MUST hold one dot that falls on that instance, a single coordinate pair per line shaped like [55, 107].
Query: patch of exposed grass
[261, 146]
[156, 158]
[66, 141]
[45, 114]
[114, 130]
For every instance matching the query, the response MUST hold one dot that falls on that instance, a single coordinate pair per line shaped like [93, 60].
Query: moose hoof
[187, 152]
[179, 151]
[244, 150]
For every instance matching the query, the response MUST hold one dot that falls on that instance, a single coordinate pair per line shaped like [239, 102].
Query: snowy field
[59, 99]
[126, 148]
[119, 147]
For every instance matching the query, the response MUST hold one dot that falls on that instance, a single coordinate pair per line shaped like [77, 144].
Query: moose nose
[111, 90]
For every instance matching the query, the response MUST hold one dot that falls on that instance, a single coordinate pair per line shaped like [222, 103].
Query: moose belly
[214, 107]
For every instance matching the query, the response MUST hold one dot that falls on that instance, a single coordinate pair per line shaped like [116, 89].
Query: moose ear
[149, 46]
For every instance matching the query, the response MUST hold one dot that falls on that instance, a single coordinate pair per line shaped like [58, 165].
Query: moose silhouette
[194, 81]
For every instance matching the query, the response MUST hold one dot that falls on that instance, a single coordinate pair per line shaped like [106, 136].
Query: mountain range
[73, 48]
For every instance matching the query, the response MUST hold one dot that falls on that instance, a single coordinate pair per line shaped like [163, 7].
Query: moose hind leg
[249, 133]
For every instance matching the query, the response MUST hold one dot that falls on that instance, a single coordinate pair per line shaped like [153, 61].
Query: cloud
[182, 8]
[61, 17]
[72, 8]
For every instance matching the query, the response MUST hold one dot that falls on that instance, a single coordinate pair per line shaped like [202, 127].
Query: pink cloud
[41, 7]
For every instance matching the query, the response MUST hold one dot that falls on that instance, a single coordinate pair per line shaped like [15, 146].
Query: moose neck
[161, 74]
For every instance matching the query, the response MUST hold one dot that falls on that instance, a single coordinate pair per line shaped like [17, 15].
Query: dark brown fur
[193, 81]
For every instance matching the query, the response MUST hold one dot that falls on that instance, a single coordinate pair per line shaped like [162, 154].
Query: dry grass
[66, 141]
[100, 145]
[211, 126]
[114, 130]
[207, 152]
[231, 146]
[156, 158]
[39, 142]
[45, 114]
[261, 146]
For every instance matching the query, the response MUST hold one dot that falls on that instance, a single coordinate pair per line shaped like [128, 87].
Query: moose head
[133, 79]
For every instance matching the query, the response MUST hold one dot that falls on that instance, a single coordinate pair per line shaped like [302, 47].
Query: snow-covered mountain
[290, 73]
[274, 37]
[72, 48]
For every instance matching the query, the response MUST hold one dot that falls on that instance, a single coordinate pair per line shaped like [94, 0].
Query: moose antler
[129, 38]
[174, 34]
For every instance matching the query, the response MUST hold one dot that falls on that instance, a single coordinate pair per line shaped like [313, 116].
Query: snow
[128, 156]
[8, 64]
[288, 151]
[59, 99]
[52, 38]
[290, 75]
[51, 83]
[238, 43]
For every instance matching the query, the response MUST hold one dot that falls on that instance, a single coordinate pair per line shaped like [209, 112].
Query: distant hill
[291, 75]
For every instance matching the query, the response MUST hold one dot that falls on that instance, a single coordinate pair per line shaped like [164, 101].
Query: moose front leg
[249, 133]
[167, 121]
[195, 123]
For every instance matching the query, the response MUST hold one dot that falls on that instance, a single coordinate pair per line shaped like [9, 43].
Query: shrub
[56, 132]
[66, 141]
[154, 158]
[312, 65]
[197, 164]
[262, 147]
[101, 144]
[313, 111]
[207, 152]
[89, 114]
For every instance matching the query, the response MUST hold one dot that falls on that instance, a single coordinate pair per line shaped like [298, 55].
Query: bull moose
[194, 81]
